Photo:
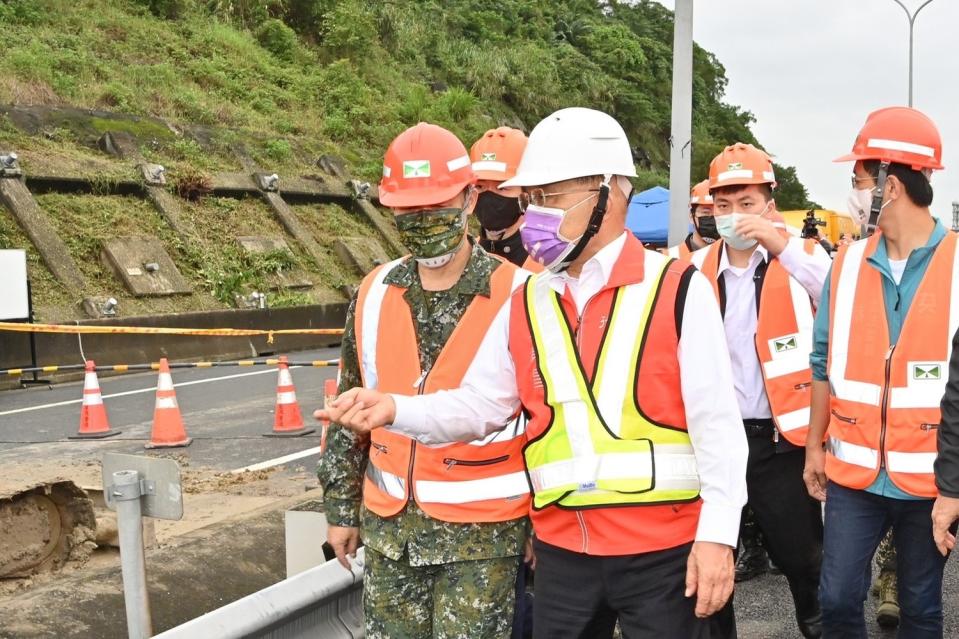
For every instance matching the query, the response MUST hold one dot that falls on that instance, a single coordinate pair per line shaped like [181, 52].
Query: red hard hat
[898, 134]
[425, 165]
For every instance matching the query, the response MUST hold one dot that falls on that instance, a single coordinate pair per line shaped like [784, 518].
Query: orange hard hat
[898, 134]
[496, 155]
[700, 195]
[425, 165]
[741, 164]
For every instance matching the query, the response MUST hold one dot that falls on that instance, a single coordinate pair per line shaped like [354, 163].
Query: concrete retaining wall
[58, 348]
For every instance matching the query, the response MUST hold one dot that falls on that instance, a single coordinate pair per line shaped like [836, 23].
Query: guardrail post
[126, 492]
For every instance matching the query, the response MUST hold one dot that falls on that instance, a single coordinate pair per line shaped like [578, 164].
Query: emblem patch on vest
[416, 168]
[932, 370]
[783, 344]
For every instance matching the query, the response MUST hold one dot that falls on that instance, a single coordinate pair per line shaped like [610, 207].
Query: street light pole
[912, 23]
[680, 139]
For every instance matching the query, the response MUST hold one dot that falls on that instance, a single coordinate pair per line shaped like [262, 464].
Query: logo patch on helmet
[734, 166]
[416, 168]
[489, 157]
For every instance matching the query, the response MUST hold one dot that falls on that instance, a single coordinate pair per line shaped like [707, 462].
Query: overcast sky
[811, 70]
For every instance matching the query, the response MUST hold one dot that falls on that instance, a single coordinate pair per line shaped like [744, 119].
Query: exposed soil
[210, 496]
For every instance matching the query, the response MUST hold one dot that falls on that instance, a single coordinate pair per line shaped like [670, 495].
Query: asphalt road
[764, 608]
[226, 411]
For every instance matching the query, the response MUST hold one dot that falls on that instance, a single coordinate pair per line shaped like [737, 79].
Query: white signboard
[14, 297]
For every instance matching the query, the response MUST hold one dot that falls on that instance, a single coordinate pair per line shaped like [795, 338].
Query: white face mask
[858, 204]
[726, 225]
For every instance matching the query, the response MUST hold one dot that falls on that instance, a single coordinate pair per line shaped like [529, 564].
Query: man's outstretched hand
[360, 409]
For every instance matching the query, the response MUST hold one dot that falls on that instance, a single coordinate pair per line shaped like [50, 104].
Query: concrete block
[257, 244]
[285, 279]
[305, 524]
[144, 267]
[361, 254]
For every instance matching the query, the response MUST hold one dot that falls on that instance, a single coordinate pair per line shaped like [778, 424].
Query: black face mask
[496, 212]
[706, 226]
[509, 248]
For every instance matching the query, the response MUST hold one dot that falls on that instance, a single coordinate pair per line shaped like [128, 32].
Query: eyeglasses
[537, 197]
[856, 180]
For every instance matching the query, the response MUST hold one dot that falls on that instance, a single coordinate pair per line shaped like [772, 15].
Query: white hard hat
[572, 143]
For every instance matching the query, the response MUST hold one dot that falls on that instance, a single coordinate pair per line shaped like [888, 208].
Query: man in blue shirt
[885, 306]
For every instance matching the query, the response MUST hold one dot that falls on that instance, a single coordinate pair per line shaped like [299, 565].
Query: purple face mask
[541, 237]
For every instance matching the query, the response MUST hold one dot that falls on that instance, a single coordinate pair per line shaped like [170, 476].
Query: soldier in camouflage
[424, 577]
[885, 588]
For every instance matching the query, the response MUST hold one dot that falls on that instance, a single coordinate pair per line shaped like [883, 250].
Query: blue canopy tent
[648, 215]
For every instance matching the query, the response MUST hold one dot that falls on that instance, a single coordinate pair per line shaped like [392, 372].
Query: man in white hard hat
[617, 355]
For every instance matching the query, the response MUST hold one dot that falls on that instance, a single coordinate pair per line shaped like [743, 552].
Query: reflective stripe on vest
[885, 397]
[599, 450]
[841, 312]
[460, 482]
[896, 461]
[783, 340]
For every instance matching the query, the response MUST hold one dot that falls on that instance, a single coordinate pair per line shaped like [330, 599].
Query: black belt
[759, 427]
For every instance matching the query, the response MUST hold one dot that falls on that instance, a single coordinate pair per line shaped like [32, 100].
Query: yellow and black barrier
[128, 368]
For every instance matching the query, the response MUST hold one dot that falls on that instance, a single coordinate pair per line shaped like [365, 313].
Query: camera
[810, 225]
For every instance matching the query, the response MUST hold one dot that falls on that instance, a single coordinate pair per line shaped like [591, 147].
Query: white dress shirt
[741, 316]
[489, 395]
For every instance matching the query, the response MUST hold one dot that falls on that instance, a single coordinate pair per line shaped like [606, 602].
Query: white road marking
[151, 389]
[278, 460]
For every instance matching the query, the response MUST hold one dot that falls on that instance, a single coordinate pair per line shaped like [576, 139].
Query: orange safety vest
[784, 331]
[679, 252]
[533, 266]
[479, 481]
[885, 397]
[614, 529]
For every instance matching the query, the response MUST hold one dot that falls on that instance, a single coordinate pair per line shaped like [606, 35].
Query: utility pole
[912, 24]
[680, 139]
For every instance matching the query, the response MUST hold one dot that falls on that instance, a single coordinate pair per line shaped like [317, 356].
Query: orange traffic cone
[93, 414]
[288, 422]
[168, 430]
[329, 394]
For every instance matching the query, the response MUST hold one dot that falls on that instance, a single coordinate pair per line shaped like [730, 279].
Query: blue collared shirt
[898, 299]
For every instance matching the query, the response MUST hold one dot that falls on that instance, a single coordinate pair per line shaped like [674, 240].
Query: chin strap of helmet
[592, 228]
[875, 209]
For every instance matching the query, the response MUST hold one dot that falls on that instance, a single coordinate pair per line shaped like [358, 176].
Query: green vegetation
[303, 77]
[218, 270]
[287, 81]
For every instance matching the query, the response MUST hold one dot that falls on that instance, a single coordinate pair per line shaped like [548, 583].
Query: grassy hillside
[304, 77]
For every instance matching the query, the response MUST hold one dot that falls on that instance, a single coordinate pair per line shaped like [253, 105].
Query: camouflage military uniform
[886, 555]
[424, 577]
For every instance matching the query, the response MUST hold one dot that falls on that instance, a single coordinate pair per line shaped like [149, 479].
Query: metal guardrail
[325, 601]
